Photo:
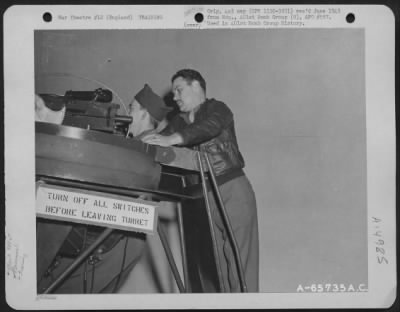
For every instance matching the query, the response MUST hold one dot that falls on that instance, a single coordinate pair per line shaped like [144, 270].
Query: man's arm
[218, 116]
[168, 136]
[163, 140]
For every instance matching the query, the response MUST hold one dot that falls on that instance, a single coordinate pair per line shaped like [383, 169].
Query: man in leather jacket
[208, 125]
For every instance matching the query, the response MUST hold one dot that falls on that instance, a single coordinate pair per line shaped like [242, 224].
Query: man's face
[141, 120]
[187, 96]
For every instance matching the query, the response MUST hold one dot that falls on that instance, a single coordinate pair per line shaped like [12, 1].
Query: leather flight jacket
[212, 132]
[223, 152]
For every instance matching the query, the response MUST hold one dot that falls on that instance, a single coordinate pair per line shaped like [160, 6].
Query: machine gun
[91, 110]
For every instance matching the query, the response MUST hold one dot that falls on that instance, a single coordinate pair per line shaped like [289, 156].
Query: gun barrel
[123, 119]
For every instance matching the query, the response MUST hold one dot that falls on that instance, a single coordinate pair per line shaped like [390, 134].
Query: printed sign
[88, 207]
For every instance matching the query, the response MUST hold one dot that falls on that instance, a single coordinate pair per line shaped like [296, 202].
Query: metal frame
[82, 257]
[211, 223]
[129, 192]
[87, 252]
[227, 224]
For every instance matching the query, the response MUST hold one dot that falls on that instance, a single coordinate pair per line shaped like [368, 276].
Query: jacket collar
[185, 115]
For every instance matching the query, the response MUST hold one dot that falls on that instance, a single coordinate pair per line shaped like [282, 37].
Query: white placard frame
[117, 212]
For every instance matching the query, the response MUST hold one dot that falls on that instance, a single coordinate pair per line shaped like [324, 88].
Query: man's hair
[189, 75]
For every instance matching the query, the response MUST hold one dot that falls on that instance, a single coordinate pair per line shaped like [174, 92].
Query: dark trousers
[240, 204]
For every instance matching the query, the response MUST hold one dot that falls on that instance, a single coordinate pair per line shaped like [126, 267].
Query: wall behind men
[298, 98]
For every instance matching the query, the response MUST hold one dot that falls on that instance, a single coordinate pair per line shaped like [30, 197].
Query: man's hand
[162, 140]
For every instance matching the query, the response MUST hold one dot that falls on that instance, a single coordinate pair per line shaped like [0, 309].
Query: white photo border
[19, 25]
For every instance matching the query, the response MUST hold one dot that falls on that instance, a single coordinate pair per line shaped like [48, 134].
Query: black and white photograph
[246, 160]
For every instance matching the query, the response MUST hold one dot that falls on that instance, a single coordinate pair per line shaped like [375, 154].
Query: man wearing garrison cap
[148, 112]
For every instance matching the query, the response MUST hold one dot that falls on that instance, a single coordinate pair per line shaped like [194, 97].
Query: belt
[194, 185]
